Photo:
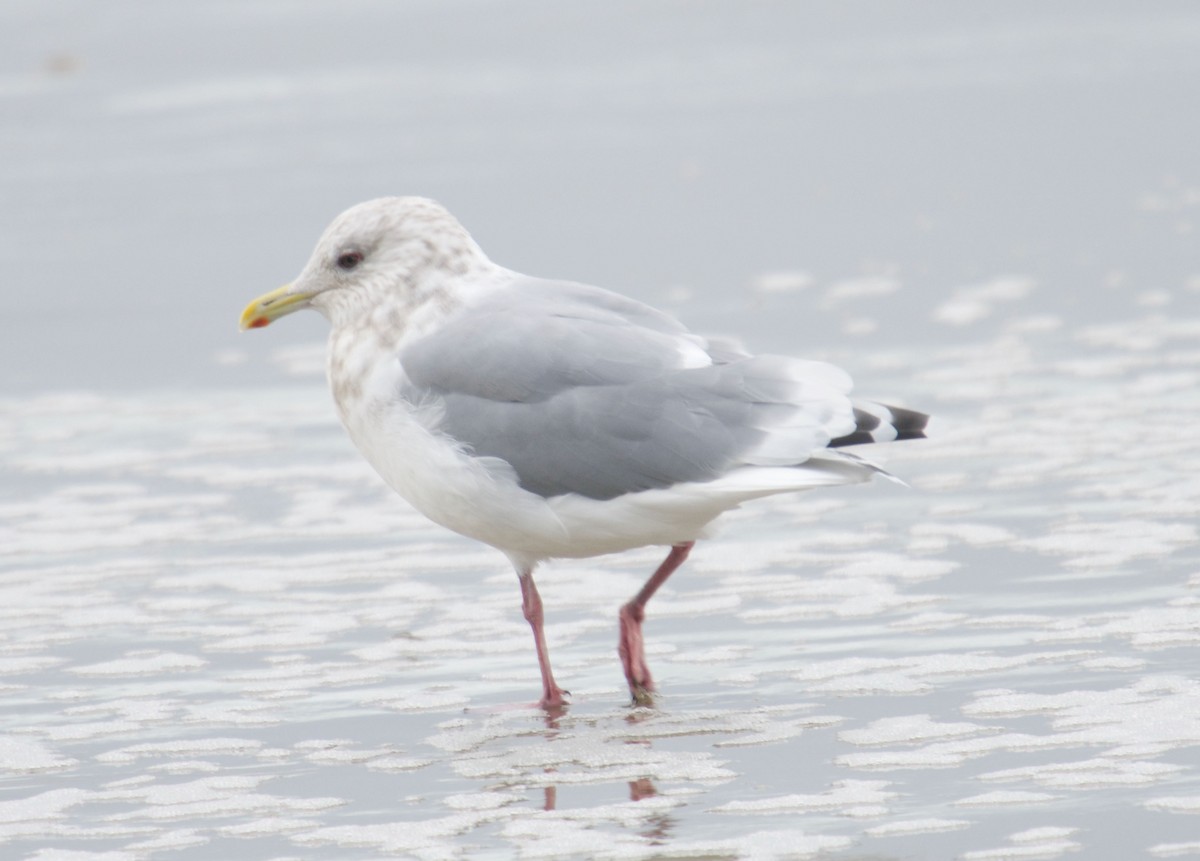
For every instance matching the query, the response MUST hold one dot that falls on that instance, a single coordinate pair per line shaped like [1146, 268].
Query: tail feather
[882, 423]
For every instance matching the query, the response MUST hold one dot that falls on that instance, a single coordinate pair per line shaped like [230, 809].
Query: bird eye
[349, 260]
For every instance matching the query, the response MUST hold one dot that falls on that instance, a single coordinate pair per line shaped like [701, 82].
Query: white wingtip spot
[692, 354]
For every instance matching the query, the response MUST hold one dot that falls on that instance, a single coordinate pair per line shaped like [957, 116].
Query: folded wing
[585, 391]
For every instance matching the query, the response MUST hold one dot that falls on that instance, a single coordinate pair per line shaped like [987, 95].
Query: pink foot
[555, 700]
[553, 697]
[633, 655]
[629, 647]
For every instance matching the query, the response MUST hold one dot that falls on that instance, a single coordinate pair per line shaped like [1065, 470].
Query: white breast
[475, 496]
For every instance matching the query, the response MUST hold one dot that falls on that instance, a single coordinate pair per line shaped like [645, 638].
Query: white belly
[476, 497]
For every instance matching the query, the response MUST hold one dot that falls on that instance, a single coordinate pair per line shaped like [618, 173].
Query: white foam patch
[972, 304]
[783, 281]
[181, 747]
[1131, 727]
[142, 663]
[398, 764]
[343, 751]
[239, 712]
[1115, 662]
[1097, 773]
[860, 326]
[855, 798]
[910, 729]
[1046, 842]
[424, 837]
[482, 800]
[1144, 628]
[1092, 545]
[863, 585]
[38, 814]
[725, 654]
[1154, 714]
[1005, 798]
[12, 666]
[269, 826]
[24, 755]
[860, 288]
[1146, 333]
[421, 701]
[946, 754]
[1174, 803]
[1174, 850]
[178, 838]
[973, 534]
[917, 827]
[81, 855]
[930, 621]
[187, 766]
[915, 674]
[119, 718]
[215, 796]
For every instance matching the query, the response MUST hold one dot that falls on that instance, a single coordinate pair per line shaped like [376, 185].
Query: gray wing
[584, 391]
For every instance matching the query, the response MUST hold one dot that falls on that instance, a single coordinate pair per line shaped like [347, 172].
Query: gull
[551, 419]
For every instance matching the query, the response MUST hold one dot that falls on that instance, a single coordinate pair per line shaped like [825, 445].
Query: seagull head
[389, 250]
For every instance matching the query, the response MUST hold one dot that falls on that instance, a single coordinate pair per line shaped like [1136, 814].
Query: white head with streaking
[554, 419]
[392, 250]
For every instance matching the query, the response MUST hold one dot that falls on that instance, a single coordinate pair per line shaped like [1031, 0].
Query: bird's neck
[376, 329]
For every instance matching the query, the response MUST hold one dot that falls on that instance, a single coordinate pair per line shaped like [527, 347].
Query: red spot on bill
[259, 323]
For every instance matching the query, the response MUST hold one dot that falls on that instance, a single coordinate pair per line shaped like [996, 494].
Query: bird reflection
[641, 788]
[659, 826]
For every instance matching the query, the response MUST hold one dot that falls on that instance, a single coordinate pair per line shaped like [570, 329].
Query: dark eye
[349, 260]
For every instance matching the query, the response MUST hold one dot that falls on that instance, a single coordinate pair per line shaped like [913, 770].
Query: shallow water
[221, 637]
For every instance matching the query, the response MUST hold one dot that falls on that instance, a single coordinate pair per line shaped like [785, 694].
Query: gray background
[222, 637]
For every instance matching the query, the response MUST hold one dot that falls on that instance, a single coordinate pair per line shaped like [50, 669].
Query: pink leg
[633, 657]
[531, 604]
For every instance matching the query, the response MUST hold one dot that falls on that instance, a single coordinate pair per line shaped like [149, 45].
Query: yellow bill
[271, 306]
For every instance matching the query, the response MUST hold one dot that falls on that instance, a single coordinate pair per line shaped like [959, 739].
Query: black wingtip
[883, 423]
[909, 424]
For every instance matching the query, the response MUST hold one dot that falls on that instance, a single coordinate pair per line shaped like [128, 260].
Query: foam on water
[209, 648]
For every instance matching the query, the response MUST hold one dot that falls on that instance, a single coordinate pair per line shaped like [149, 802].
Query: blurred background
[161, 163]
[222, 637]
